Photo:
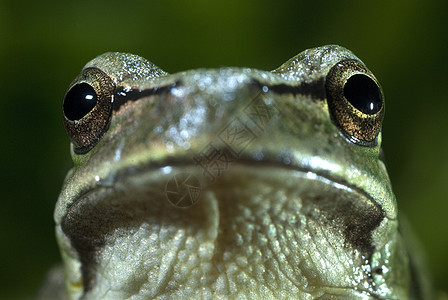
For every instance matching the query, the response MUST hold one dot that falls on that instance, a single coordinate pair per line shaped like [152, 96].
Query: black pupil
[79, 101]
[363, 93]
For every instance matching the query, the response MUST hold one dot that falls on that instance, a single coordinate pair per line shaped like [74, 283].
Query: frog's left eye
[87, 108]
[355, 101]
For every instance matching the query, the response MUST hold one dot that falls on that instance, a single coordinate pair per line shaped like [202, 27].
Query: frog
[230, 183]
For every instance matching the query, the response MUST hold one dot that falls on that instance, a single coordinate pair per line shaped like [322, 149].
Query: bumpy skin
[297, 210]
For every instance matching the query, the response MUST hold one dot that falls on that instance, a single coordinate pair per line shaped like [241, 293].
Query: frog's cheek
[74, 283]
[391, 264]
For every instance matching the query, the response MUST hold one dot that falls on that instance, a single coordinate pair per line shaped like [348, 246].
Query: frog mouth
[304, 229]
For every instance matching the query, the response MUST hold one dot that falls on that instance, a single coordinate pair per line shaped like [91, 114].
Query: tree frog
[230, 183]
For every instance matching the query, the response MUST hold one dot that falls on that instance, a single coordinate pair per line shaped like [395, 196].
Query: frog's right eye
[87, 108]
[355, 101]
[79, 101]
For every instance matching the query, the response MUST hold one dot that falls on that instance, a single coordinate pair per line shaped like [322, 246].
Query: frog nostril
[79, 101]
[363, 93]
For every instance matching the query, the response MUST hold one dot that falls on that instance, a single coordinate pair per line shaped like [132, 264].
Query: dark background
[44, 45]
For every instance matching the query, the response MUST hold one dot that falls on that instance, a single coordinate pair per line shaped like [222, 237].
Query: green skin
[282, 219]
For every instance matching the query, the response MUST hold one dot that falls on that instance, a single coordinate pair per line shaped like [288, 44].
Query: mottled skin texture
[299, 211]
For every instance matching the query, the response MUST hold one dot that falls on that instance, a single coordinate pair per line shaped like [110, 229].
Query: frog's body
[288, 198]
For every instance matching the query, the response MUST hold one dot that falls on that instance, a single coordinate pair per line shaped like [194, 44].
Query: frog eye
[87, 108]
[355, 101]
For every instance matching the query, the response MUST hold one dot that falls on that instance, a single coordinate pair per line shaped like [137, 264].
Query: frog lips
[137, 205]
[143, 190]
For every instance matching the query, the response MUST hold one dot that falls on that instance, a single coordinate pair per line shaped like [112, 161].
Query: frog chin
[258, 231]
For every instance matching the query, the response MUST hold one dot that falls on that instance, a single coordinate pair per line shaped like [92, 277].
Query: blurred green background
[44, 45]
